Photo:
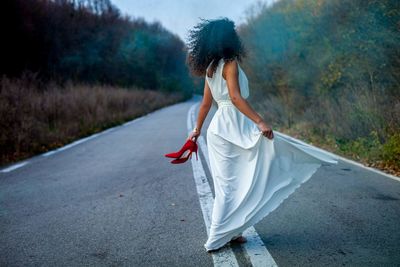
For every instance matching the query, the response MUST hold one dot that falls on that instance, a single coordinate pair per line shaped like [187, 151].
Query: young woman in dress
[253, 168]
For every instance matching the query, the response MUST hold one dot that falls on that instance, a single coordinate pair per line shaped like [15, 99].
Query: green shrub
[391, 150]
[369, 147]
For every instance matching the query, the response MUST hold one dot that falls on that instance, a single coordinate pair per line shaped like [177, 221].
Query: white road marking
[224, 257]
[134, 121]
[77, 142]
[15, 166]
[109, 130]
[255, 247]
[347, 160]
[80, 141]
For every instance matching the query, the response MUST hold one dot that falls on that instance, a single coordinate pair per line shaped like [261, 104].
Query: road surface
[114, 200]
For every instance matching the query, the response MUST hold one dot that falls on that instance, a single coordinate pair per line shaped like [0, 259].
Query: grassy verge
[368, 150]
[35, 118]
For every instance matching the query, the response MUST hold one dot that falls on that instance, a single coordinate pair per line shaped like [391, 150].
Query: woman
[253, 171]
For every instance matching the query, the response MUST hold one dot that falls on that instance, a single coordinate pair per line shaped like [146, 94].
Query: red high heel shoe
[184, 159]
[190, 146]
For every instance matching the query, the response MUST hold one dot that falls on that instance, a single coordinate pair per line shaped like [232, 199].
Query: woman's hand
[194, 134]
[266, 130]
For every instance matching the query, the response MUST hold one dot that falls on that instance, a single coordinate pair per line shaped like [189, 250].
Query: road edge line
[350, 161]
[19, 164]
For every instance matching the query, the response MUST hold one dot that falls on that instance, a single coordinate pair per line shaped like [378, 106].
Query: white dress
[252, 174]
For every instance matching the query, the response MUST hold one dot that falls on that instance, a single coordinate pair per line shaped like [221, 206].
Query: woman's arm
[203, 111]
[232, 79]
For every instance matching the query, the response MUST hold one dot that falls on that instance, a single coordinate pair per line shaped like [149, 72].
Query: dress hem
[257, 219]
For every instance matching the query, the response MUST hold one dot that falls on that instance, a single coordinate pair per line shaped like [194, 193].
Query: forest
[70, 68]
[90, 41]
[329, 72]
[325, 71]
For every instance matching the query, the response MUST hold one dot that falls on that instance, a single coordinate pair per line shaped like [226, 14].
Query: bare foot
[241, 239]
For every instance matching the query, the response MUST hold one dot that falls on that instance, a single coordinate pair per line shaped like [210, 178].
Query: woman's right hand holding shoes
[194, 134]
[265, 129]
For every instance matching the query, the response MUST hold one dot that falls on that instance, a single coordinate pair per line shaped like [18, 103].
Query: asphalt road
[115, 200]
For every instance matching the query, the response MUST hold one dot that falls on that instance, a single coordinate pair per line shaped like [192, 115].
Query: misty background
[180, 16]
[327, 72]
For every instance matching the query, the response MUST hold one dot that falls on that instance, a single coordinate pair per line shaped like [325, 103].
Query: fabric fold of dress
[252, 174]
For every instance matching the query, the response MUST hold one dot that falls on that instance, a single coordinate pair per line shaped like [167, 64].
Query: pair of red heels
[184, 153]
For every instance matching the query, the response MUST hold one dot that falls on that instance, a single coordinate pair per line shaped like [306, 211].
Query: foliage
[391, 149]
[36, 117]
[89, 41]
[362, 147]
[332, 64]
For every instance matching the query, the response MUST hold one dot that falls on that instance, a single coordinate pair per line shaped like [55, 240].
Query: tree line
[71, 68]
[90, 41]
[329, 68]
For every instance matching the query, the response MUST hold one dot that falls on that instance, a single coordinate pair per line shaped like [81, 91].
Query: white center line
[255, 248]
[225, 256]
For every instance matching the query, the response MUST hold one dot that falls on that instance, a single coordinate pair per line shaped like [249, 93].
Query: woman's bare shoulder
[230, 67]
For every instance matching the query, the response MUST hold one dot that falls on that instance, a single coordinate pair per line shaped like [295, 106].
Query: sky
[178, 16]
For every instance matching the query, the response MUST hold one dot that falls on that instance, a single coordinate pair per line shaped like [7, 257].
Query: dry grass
[35, 118]
[360, 123]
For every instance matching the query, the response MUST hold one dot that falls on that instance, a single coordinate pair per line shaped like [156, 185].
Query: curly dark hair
[212, 40]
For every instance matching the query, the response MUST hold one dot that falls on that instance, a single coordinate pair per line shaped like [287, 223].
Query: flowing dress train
[252, 174]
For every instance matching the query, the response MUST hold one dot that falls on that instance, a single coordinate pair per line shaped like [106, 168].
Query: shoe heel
[195, 150]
